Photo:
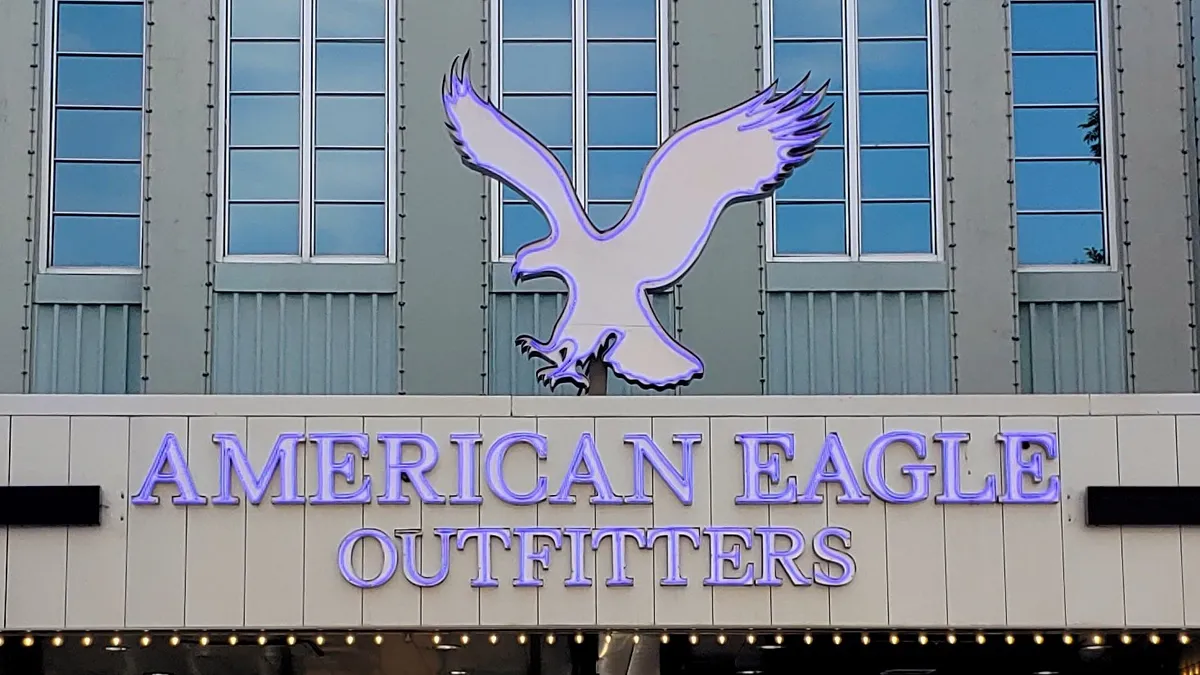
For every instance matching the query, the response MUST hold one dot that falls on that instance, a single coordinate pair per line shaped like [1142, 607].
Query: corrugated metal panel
[858, 343]
[86, 349]
[1072, 348]
[304, 343]
[513, 314]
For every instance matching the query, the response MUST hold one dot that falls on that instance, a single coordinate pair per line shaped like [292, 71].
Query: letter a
[169, 466]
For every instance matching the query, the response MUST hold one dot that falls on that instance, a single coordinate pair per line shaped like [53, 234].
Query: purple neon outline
[797, 131]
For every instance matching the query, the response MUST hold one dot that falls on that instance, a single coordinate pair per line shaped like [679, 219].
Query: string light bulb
[636, 638]
[145, 641]
[115, 641]
[27, 641]
[1126, 638]
[720, 638]
[980, 638]
[894, 639]
[579, 638]
[1067, 638]
[464, 638]
[779, 638]
[665, 638]
[693, 638]
[262, 640]
[437, 639]
[57, 641]
[173, 641]
[1009, 639]
[1038, 639]
[320, 640]
[86, 641]
[750, 639]
[349, 638]
[493, 639]
[923, 639]
[866, 639]
[549, 638]
[378, 639]
[1097, 639]
[607, 638]
[291, 640]
[951, 638]
[203, 640]
[1184, 639]
[233, 640]
[837, 638]
[808, 638]
[1154, 639]
[521, 639]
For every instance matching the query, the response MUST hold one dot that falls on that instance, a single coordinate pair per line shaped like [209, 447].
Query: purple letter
[169, 466]
[234, 460]
[873, 468]
[673, 535]
[468, 489]
[718, 556]
[831, 555]
[786, 558]
[579, 577]
[833, 453]
[494, 468]
[328, 468]
[484, 537]
[347, 567]
[952, 492]
[618, 536]
[586, 467]
[528, 553]
[753, 468]
[1016, 468]
[397, 469]
[645, 450]
[412, 570]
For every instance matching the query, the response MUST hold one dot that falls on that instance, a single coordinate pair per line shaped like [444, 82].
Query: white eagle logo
[741, 154]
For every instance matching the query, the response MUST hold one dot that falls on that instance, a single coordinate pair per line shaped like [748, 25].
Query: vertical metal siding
[1072, 348]
[857, 343]
[86, 349]
[513, 314]
[304, 343]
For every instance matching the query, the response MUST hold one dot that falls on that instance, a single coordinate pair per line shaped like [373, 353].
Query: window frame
[308, 145]
[579, 97]
[49, 136]
[853, 145]
[1108, 184]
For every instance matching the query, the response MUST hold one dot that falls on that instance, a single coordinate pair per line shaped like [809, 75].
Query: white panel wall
[919, 565]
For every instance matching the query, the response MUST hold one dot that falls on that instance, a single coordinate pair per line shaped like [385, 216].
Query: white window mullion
[853, 149]
[307, 103]
[579, 99]
[663, 49]
[496, 67]
[391, 93]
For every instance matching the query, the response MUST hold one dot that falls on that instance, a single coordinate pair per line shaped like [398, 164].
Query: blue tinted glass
[894, 173]
[892, 18]
[95, 241]
[1057, 132]
[793, 60]
[564, 158]
[894, 118]
[606, 216]
[264, 174]
[100, 80]
[264, 120]
[614, 174]
[536, 68]
[359, 175]
[812, 229]
[536, 18]
[522, 224]
[622, 66]
[621, 18]
[265, 18]
[547, 118]
[904, 227]
[351, 67]
[264, 229]
[892, 65]
[815, 18]
[352, 121]
[1060, 239]
[1054, 79]
[1058, 186]
[1053, 26]
[351, 18]
[264, 66]
[98, 134]
[100, 27]
[836, 120]
[97, 188]
[822, 177]
[350, 229]
[622, 120]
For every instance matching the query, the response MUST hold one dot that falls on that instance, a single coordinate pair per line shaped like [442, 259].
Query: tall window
[309, 128]
[94, 200]
[1058, 133]
[870, 190]
[586, 78]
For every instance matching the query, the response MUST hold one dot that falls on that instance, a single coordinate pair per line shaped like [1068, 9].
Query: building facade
[210, 198]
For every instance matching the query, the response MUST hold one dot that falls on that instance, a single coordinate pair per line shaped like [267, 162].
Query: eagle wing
[493, 144]
[740, 154]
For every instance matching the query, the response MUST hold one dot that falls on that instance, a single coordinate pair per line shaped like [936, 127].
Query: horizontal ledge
[857, 276]
[87, 289]
[1070, 286]
[306, 278]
